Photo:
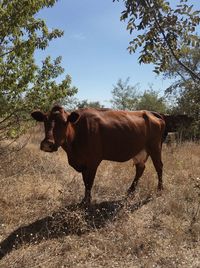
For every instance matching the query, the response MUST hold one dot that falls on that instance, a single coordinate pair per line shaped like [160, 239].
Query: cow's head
[55, 127]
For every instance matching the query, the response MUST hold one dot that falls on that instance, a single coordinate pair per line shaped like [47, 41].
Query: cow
[175, 124]
[90, 135]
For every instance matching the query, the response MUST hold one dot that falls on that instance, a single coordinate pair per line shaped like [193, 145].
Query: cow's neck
[67, 141]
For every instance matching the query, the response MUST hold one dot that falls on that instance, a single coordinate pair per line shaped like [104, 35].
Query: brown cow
[174, 122]
[89, 136]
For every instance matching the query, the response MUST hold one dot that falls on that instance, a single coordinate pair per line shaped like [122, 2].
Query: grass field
[42, 226]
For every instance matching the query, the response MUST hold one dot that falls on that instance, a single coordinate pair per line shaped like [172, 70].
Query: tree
[24, 85]
[162, 31]
[92, 104]
[124, 96]
[185, 90]
[152, 102]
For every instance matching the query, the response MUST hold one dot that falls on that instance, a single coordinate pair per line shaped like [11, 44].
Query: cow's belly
[124, 153]
[79, 167]
[141, 157]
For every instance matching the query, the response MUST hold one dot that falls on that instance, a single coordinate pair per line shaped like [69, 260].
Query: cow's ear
[73, 117]
[38, 116]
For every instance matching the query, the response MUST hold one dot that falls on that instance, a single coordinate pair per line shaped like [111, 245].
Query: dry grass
[41, 225]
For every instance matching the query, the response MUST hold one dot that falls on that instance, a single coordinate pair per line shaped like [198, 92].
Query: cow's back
[113, 135]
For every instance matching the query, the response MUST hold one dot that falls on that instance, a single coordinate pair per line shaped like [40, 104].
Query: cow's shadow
[69, 220]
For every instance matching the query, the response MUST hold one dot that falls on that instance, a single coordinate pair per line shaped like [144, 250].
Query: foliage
[152, 102]
[162, 31]
[185, 90]
[125, 96]
[166, 34]
[92, 104]
[24, 85]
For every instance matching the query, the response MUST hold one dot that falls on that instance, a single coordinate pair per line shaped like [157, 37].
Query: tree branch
[191, 72]
[6, 53]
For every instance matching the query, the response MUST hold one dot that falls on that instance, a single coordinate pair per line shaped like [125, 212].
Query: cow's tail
[162, 116]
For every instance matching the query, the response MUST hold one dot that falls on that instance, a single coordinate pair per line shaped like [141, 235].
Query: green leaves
[24, 85]
[161, 31]
[185, 90]
[152, 102]
[45, 91]
[127, 97]
[124, 95]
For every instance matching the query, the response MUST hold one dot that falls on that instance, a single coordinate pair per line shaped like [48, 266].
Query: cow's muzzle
[48, 146]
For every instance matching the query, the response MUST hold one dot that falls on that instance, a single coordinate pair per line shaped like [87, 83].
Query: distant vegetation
[127, 97]
[86, 103]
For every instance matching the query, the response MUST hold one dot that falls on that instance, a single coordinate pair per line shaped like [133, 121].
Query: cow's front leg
[88, 179]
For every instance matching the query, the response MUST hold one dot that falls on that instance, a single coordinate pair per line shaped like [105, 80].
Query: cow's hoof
[159, 191]
[84, 204]
[160, 188]
[131, 192]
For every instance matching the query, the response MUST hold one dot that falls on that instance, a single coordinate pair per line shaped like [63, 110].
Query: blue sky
[94, 48]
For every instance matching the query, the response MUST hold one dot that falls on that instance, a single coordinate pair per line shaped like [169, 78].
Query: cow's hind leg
[140, 167]
[157, 162]
[139, 160]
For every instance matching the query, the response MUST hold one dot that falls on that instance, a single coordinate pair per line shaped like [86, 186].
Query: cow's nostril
[52, 146]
